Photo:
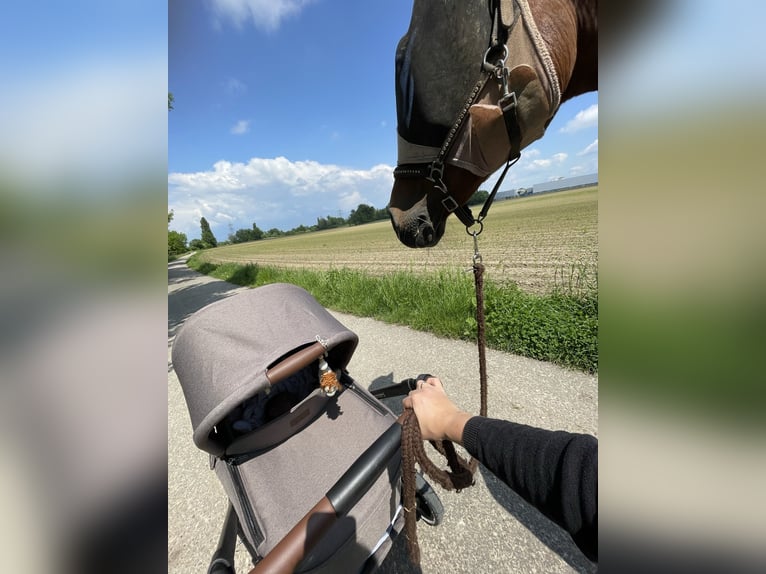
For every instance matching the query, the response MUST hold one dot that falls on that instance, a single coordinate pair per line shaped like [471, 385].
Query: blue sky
[79, 97]
[84, 94]
[285, 111]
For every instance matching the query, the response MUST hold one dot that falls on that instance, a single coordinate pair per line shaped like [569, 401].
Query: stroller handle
[338, 501]
[399, 389]
[295, 362]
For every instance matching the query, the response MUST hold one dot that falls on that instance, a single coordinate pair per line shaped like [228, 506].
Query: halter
[504, 14]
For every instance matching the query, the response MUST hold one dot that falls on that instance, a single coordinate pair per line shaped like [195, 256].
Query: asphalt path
[486, 528]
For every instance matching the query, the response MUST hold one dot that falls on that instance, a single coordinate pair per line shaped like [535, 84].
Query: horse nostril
[428, 234]
[425, 236]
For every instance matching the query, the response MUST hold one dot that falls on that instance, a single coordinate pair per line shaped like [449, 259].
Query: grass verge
[560, 328]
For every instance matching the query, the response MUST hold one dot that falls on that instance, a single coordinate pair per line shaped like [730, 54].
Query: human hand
[438, 416]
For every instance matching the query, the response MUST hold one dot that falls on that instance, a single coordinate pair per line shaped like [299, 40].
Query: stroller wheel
[430, 508]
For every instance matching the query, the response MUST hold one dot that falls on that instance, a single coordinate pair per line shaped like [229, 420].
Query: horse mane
[570, 29]
[585, 73]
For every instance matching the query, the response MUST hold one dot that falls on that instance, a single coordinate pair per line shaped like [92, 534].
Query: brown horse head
[417, 213]
[551, 57]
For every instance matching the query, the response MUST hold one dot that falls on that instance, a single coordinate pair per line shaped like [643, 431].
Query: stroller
[312, 471]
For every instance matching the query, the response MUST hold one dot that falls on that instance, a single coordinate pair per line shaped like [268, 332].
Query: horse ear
[533, 109]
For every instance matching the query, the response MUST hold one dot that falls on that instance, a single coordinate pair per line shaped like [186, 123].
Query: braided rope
[461, 471]
[481, 335]
[458, 477]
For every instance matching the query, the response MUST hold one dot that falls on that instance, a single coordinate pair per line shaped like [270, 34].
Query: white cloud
[534, 168]
[265, 14]
[542, 163]
[590, 148]
[590, 165]
[583, 119]
[577, 170]
[539, 164]
[241, 127]
[273, 192]
[351, 201]
[234, 87]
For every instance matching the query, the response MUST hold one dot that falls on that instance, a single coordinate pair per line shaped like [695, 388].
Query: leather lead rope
[461, 471]
[481, 335]
[458, 477]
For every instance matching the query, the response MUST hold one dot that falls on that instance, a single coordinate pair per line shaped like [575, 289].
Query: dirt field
[538, 242]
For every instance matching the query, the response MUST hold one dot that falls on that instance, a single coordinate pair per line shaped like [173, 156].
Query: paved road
[486, 528]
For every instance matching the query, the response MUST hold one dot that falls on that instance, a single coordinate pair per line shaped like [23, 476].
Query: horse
[453, 131]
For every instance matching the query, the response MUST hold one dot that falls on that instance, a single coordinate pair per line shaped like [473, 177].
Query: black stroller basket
[312, 475]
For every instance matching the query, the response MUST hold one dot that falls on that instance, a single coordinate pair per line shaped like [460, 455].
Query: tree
[243, 235]
[240, 236]
[296, 230]
[176, 240]
[479, 197]
[256, 232]
[176, 243]
[274, 232]
[362, 214]
[171, 99]
[329, 222]
[197, 245]
[207, 236]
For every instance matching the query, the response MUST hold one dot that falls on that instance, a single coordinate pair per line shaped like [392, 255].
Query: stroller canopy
[223, 352]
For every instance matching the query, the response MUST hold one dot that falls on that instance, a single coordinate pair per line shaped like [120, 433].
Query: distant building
[511, 193]
[559, 184]
[566, 183]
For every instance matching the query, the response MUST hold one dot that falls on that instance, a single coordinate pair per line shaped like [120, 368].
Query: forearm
[455, 425]
[555, 471]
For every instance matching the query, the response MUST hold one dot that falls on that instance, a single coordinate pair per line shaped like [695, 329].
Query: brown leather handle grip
[285, 556]
[295, 363]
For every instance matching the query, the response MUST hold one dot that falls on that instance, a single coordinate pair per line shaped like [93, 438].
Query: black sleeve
[555, 471]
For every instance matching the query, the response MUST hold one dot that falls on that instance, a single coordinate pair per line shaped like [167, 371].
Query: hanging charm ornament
[328, 380]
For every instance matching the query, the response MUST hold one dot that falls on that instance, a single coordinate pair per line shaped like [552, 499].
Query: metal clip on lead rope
[476, 254]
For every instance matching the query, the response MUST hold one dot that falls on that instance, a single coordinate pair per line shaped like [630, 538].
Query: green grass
[541, 282]
[560, 327]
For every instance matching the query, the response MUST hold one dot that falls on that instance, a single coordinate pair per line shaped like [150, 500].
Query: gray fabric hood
[223, 351]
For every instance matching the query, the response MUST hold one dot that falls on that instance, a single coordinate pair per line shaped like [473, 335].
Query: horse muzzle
[416, 232]
[413, 224]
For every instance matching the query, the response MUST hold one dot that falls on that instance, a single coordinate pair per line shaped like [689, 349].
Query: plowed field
[538, 241]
